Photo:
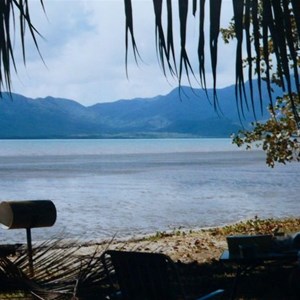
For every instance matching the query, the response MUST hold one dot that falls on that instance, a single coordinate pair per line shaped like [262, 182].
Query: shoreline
[195, 252]
[195, 245]
[203, 245]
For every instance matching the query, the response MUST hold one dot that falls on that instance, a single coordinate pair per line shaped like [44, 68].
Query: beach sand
[199, 246]
[194, 246]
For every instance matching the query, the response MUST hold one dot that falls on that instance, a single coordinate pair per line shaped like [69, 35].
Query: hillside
[181, 113]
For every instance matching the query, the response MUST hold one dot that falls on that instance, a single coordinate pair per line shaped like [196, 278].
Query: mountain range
[184, 112]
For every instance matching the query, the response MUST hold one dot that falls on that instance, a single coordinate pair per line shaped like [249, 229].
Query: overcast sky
[84, 52]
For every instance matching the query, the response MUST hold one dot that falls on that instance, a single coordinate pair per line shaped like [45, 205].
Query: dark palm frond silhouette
[9, 11]
[275, 25]
[62, 271]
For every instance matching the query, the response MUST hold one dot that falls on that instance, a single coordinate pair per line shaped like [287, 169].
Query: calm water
[129, 187]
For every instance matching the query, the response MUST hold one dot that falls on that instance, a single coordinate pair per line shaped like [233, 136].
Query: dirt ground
[200, 246]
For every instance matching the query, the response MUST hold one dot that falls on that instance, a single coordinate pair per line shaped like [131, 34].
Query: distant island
[183, 113]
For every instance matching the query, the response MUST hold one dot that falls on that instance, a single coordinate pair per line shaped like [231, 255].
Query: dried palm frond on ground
[60, 272]
[72, 270]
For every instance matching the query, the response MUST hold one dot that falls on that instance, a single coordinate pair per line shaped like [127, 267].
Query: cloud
[84, 52]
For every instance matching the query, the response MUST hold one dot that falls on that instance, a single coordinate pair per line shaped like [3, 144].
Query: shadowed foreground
[64, 270]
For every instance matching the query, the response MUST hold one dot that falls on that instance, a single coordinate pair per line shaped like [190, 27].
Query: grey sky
[84, 50]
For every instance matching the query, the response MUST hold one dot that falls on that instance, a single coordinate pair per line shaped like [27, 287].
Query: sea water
[127, 187]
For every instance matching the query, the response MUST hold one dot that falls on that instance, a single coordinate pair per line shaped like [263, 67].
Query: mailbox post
[27, 215]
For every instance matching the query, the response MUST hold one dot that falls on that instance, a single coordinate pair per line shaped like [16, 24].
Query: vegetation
[64, 274]
[255, 24]
[260, 226]
[275, 23]
[277, 136]
[9, 9]
[270, 31]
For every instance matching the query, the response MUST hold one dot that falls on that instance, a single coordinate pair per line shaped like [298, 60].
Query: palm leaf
[170, 39]
[279, 45]
[247, 22]
[194, 7]
[129, 31]
[8, 9]
[267, 18]
[215, 14]
[184, 59]
[6, 53]
[55, 266]
[296, 12]
[275, 24]
[161, 46]
[60, 271]
[238, 8]
[256, 35]
[293, 53]
[201, 45]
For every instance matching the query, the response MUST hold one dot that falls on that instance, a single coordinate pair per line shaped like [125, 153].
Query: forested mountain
[183, 112]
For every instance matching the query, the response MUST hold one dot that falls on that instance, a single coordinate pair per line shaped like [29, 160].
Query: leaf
[184, 59]
[215, 15]
[161, 47]
[256, 34]
[267, 19]
[249, 51]
[129, 30]
[274, 24]
[170, 39]
[294, 55]
[238, 8]
[201, 44]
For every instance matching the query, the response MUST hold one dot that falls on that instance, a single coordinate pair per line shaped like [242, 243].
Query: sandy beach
[201, 246]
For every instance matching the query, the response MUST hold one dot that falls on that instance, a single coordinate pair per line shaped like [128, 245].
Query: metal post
[29, 250]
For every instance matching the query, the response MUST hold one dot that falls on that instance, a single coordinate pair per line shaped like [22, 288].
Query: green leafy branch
[278, 136]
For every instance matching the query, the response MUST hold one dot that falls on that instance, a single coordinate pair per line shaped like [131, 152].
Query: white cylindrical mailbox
[27, 214]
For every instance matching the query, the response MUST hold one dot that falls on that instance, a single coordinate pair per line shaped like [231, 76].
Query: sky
[83, 49]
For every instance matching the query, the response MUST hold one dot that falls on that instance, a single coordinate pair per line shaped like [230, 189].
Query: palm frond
[201, 45]
[286, 24]
[6, 52]
[8, 11]
[129, 30]
[55, 267]
[296, 12]
[267, 19]
[61, 271]
[215, 15]
[184, 63]
[170, 39]
[275, 25]
[161, 46]
[247, 22]
[238, 8]
[256, 35]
